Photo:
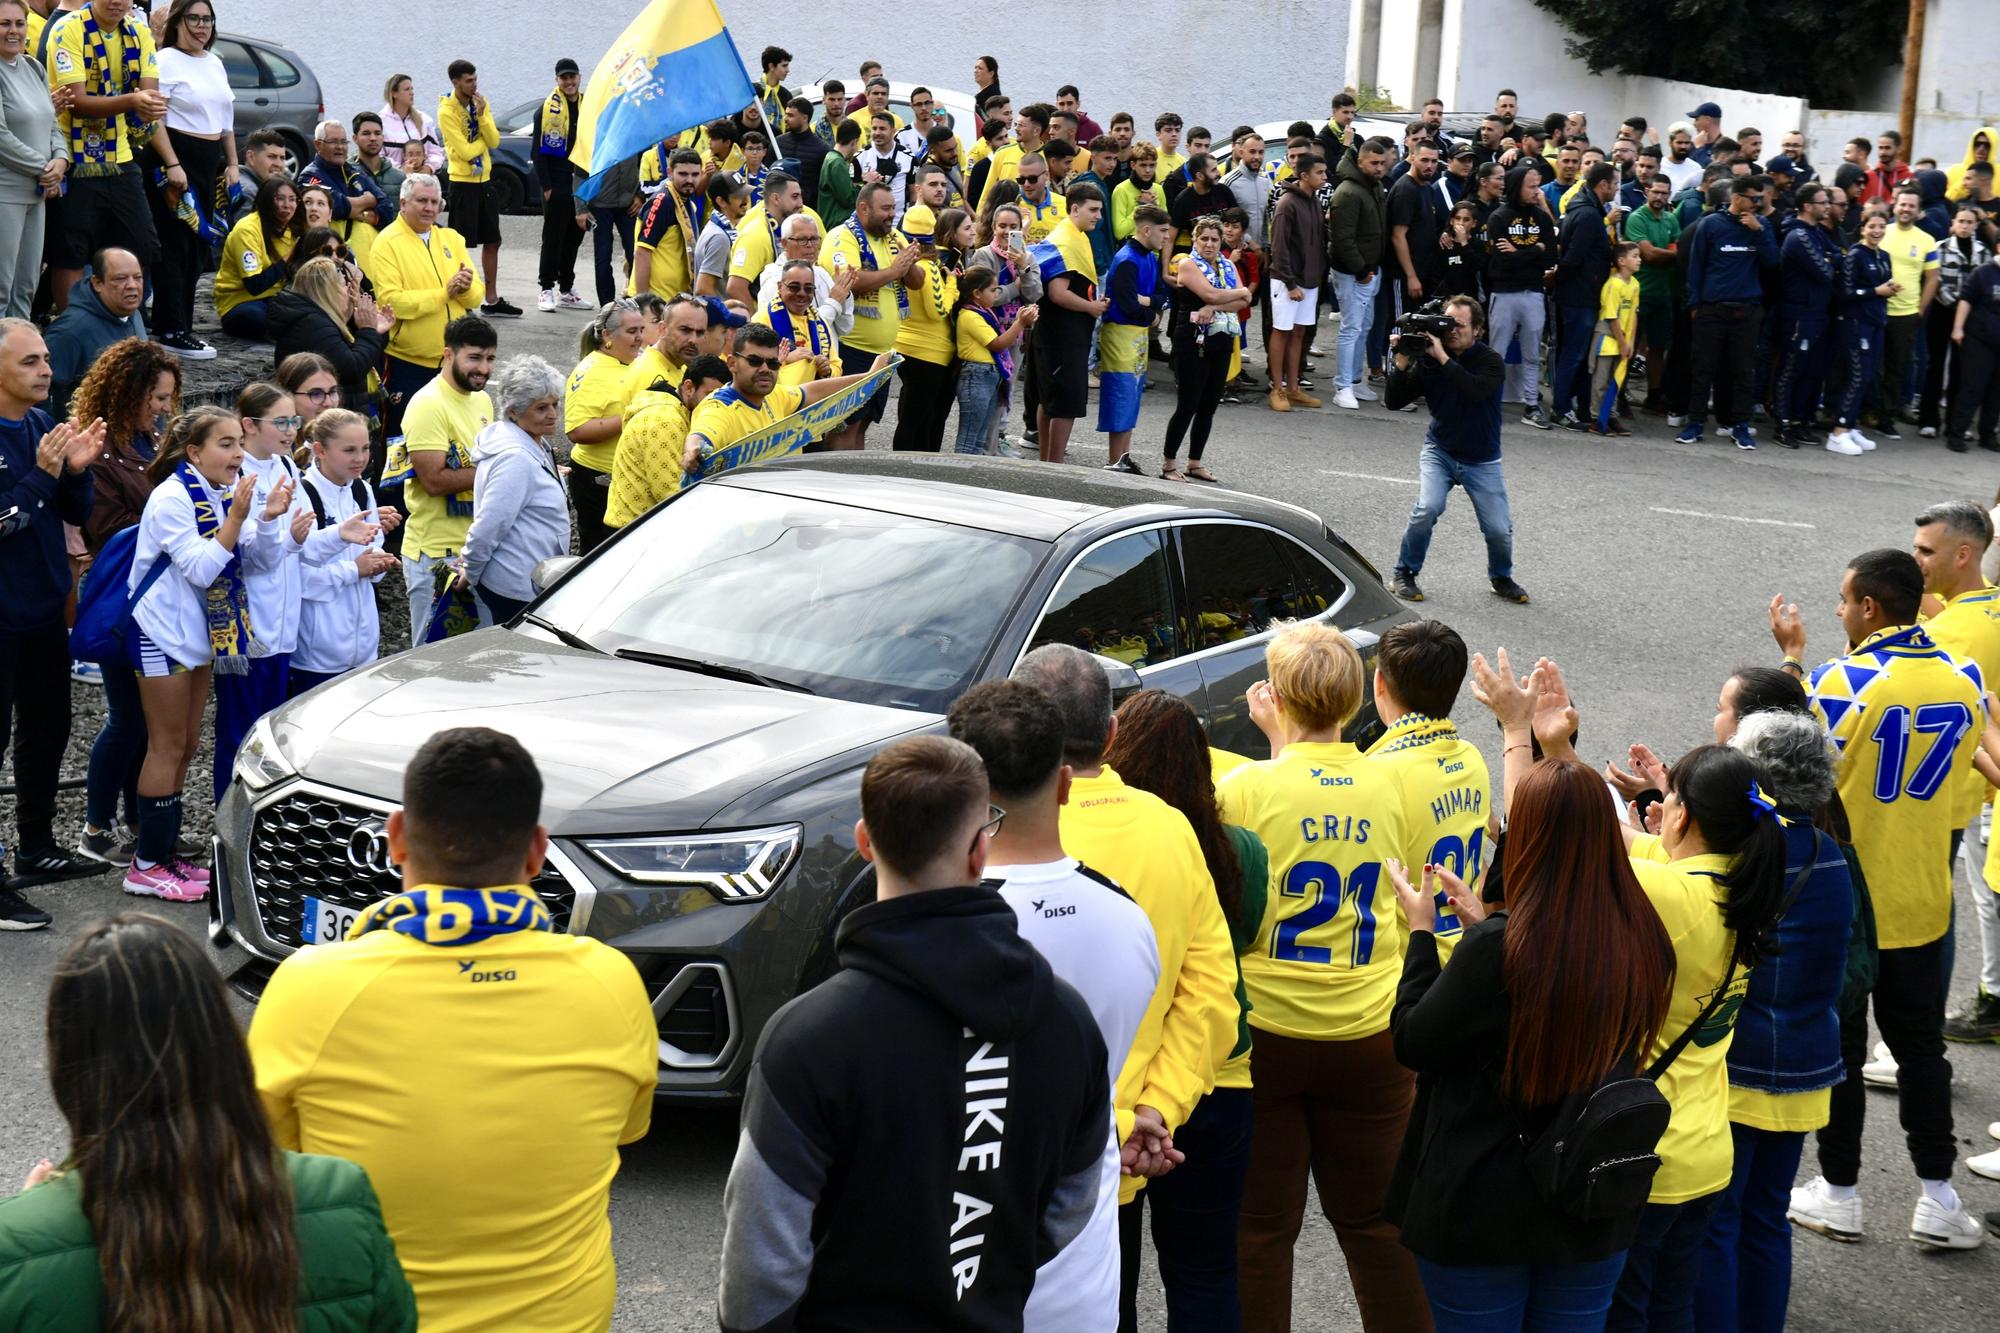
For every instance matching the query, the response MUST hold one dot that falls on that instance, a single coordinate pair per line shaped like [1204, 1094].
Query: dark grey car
[702, 693]
[275, 89]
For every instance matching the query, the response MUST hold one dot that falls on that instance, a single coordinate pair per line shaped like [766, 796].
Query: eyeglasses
[199, 20]
[317, 395]
[282, 423]
[990, 827]
[758, 362]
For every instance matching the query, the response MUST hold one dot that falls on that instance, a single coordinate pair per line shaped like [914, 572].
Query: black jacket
[1533, 234]
[1461, 1190]
[299, 325]
[869, 1189]
[1463, 396]
[1586, 254]
[1357, 225]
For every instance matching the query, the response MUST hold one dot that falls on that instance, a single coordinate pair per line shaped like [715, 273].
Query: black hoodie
[1531, 230]
[921, 1132]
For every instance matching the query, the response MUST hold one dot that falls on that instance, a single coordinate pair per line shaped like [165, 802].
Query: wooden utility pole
[1913, 67]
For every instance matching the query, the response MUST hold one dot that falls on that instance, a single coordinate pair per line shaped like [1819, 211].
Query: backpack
[313, 498]
[103, 606]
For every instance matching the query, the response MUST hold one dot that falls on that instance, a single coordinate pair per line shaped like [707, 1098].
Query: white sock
[1942, 1194]
[1840, 1193]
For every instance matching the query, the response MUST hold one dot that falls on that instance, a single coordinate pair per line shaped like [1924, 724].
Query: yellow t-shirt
[865, 118]
[1969, 629]
[1447, 798]
[1325, 963]
[1695, 1152]
[1190, 1026]
[926, 332]
[975, 337]
[808, 332]
[659, 232]
[1619, 303]
[1906, 717]
[596, 389]
[36, 22]
[67, 69]
[647, 469]
[1006, 166]
[245, 255]
[757, 245]
[1780, 1112]
[724, 417]
[1038, 220]
[440, 419]
[485, 1090]
[1912, 253]
[1169, 163]
[646, 370]
[877, 314]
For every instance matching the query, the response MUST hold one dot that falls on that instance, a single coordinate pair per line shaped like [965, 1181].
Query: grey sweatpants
[21, 228]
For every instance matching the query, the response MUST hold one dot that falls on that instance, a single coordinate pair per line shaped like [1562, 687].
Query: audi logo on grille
[368, 849]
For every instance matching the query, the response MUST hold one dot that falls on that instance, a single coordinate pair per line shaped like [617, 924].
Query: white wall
[1938, 134]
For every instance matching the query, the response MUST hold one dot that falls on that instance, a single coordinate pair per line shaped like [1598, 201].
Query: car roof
[1026, 499]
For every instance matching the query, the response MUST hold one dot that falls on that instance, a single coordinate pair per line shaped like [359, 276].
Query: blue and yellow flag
[675, 67]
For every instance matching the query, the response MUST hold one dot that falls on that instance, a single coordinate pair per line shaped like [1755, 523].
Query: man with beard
[439, 427]
[664, 261]
[869, 245]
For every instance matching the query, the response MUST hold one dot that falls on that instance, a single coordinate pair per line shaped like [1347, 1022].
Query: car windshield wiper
[720, 670]
[569, 639]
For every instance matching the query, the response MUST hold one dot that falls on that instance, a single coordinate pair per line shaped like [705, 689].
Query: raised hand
[1555, 716]
[358, 531]
[1418, 901]
[1511, 700]
[280, 499]
[1788, 627]
[302, 525]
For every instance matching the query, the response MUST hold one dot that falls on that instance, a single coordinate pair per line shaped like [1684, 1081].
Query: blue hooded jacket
[34, 559]
[1788, 1030]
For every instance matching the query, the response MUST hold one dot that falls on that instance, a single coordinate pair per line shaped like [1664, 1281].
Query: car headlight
[736, 867]
[260, 762]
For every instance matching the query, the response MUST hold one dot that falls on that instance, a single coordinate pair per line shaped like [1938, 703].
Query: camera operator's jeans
[1485, 486]
[1357, 315]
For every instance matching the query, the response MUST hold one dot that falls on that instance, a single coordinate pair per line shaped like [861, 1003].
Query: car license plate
[326, 923]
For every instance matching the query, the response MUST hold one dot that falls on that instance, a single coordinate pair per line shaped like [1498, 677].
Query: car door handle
[261, 101]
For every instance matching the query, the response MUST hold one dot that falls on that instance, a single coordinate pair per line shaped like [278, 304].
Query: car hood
[622, 746]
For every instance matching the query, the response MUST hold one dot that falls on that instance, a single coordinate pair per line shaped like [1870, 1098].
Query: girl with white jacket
[339, 628]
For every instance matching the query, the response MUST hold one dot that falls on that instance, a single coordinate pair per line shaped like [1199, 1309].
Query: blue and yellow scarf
[555, 126]
[455, 917]
[819, 337]
[226, 602]
[868, 265]
[93, 144]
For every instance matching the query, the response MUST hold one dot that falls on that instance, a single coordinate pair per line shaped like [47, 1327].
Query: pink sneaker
[189, 871]
[164, 883]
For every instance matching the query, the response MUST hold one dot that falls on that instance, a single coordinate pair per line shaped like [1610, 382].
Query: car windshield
[860, 605]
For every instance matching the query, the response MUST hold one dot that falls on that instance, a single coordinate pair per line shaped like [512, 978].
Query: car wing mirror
[550, 571]
[1124, 678]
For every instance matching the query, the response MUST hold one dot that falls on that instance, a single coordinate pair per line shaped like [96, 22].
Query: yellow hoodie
[1954, 177]
[410, 272]
[1190, 1025]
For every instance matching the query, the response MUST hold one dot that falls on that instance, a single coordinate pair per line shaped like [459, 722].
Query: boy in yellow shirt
[470, 137]
[1617, 321]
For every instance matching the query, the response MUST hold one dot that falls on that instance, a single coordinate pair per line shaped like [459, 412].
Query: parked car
[275, 89]
[954, 108]
[702, 692]
[514, 179]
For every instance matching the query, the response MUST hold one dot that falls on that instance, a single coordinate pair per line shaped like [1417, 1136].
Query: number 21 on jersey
[1326, 894]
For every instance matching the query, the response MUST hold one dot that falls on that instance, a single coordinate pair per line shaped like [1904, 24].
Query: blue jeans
[1656, 1291]
[978, 400]
[239, 702]
[1570, 389]
[1746, 1260]
[249, 322]
[1505, 1298]
[118, 753]
[1194, 1209]
[1357, 313]
[609, 223]
[1437, 473]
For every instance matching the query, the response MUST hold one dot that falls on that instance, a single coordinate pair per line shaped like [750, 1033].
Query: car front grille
[299, 849]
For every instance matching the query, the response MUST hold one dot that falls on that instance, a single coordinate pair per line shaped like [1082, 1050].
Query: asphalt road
[1650, 564]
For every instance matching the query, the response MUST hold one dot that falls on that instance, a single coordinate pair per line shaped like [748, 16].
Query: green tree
[1815, 49]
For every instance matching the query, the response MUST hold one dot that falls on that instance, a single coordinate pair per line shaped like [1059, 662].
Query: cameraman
[1459, 378]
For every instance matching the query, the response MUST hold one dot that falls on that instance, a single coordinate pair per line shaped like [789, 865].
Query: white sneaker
[1842, 442]
[1993, 1130]
[1934, 1227]
[86, 673]
[1927, 433]
[571, 301]
[1675, 420]
[1348, 398]
[1862, 440]
[1986, 1164]
[1985, 832]
[1881, 1071]
[546, 302]
[1816, 1210]
[1365, 394]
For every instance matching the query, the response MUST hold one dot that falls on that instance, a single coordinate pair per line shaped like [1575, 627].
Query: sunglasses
[758, 362]
[282, 423]
[1030, 180]
[797, 288]
[990, 827]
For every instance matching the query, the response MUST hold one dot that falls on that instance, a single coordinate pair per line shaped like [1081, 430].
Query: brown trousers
[1336, 1109]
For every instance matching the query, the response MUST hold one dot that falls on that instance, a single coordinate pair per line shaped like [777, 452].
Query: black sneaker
[187, 849]
[105, 849]
[1956, 444]
[1886, 428]
[17, 913]
[1978, 1019]
[1510, 591]
[1537, 418]
[1404, 584]
[500, 308]
[1789, 435]
[1571, 421]
[188, 346]
[1127, 466]
[50, 867]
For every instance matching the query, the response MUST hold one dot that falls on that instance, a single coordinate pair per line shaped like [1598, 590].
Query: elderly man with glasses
[832, 297]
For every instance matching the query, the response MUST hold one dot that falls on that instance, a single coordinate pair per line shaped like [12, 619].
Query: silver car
[702, 692]
[275, 89]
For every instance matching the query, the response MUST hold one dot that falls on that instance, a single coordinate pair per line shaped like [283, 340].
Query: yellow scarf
[555, 126]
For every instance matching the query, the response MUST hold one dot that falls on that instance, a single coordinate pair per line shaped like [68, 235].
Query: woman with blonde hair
[324, 313]
[403, 124]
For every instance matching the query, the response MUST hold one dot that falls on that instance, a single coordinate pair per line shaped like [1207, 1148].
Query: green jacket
[352, 1283]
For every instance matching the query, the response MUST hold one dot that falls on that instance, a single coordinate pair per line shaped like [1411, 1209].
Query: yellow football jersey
[1969, 629]
[1905, 716]
[1447, 797]
[1326, 961]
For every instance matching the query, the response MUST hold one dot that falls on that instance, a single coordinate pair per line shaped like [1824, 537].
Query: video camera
[1414, 329]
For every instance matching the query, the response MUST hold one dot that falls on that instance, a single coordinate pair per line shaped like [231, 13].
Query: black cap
[1464, 150]
[1781, 166]
[566, 66]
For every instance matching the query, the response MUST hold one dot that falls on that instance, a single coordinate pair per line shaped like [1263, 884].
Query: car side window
[1117, 600]
[1240, 580]
[284, 74]
[238, 64]
[1320, 588]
